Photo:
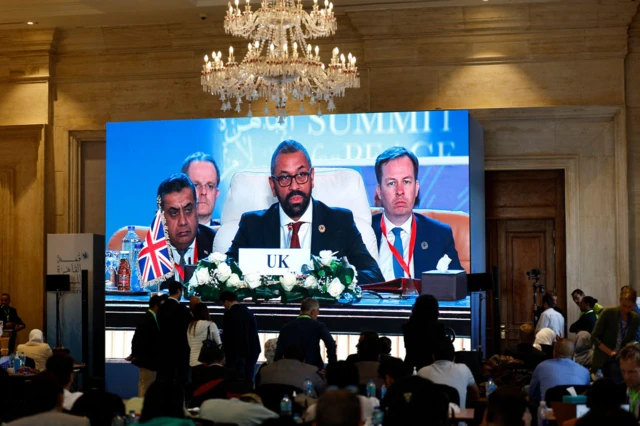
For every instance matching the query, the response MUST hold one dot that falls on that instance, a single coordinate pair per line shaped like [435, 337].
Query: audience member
[588, 317]
[616, 327]
[412, 400]
[339, 408]
[99, 407]
[291, 370]
[506, 407]
[243, 411]
[60, 366]
[173, 319]
[11, 320]
[368, 363]
[240, 336]
[307, 331]
[364, 335]
[211, 379]
[36, 349]
[577, 296]
[145, 346]
[392, 369]
[43, 399]
[561, 370]
[603, 397]
[630, 369]
[617, 416]
[538, 310]
[200, 328]
[446, 372]
[164, 405]
[269, 356]
[550, 318]
[584, 349]
[422, 332]
[385, 347]
[205, 175]
[193, 301]
[544, 341]
[525, 351]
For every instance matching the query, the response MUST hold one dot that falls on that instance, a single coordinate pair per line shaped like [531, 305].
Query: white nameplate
[273, 261]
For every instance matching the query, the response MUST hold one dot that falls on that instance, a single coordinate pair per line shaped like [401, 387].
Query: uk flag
[154, 261]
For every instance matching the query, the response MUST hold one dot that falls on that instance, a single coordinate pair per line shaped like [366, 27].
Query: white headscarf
[36, 336]
[545, 336]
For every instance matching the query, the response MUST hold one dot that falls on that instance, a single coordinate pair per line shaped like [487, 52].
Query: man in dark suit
[174, 319]
[307, 332]
[145, 346]
[10, 318]
[205, 175]
[398, 186]
[239, 336]
[188, 240]
[297, 222]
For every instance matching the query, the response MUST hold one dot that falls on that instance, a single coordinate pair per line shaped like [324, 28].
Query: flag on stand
[154, 261]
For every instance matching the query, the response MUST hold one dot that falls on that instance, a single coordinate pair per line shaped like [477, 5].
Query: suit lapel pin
[424, 245]
[206, 252]
[322, 228]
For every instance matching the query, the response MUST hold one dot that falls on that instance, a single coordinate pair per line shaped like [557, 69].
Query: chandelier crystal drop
[279, 65]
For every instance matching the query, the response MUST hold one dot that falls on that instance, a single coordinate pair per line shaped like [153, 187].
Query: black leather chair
[452, 393]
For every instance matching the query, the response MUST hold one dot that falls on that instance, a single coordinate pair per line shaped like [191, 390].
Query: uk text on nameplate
[273, 261]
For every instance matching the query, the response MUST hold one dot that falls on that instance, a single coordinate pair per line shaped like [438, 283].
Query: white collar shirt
[304, 233]
[385, 256]
[552, 319]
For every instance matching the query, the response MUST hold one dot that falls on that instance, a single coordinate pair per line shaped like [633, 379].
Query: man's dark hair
[163, 298]
[60, 366]
[154, 301]
[338, 408]
[444, 351]
[412, 398]
[6, 294]
[590, 301]
[175, 287]
[228, 296]
[394, 153]
[288, 147]
[425, 309]
[99, 407]
[163, 399]
[200, 156]
[606, 394]
[294, 351]
[369, 349]
[506, 406]
[548, 299]
[342, 374]
[385, 345]
[209, 355]
[617, 416]
[394, 367]
[175, 183]
[577, 290]
[42, 393]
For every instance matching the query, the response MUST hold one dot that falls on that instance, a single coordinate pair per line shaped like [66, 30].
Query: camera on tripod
[534, 274]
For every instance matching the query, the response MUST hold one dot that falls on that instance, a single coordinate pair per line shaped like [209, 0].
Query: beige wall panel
[597, 182]
[593, 138]
[93, 187]
[23, 104]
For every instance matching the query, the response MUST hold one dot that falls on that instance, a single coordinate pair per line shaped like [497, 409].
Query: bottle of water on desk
[491, 386]
[543, 414]
[135, 271]
[371, 389]
[307, 386]
[599, 375]
[285, 406]
[129, 245]
[383, 391]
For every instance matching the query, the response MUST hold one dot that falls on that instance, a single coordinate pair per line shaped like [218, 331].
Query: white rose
[253, 279]
[310, 282]
[223, 272]
[335, 288]
[288, 281]
[326, 256]
[233, 281]
[217, 258]
[202, 276]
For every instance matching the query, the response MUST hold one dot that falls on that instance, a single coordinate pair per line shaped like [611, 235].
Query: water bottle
[307, 386]
[383, 391]
[543, 414]
[285, 406]
[599, 375]
[371, 389]
[415, 371]
[491, 386]
[135, 270]
[130, 239]
[377, 417]
[132, 418]
[117, 420]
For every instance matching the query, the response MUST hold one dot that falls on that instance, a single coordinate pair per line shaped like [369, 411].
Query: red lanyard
[195, 261]
[396, 254]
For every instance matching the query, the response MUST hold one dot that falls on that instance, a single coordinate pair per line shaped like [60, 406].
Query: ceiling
[96, 13]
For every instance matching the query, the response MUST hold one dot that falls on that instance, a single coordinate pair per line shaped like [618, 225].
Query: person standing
[9, 316]
[200, 329]
[145, 346]
[239, 336]
[551, 318]
[422, 332]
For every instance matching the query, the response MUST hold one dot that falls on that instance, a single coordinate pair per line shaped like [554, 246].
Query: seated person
[604, 399]
[561, 370]
[445, 371]
[506, 407]
[544, 341]
[244, 411]
[99, 407]
[339, 407]
[414, 398]
[584, 349]
[60, 366]
[291, 370]
[525, 351]
[164, 405]
[392, 369]
[588, 317]
[36, 349]
[551, 318]
[368, 363]
[398, 186]
[297, 221]
[385, 347]
[364, 335]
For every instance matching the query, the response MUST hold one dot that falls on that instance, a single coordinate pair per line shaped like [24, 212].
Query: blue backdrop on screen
[141, 154]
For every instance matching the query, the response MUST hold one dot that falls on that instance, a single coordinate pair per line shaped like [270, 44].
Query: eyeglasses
[285, 181]
[209, 187]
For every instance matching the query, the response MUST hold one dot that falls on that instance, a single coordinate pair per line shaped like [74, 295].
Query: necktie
[295, 240]
[397, 243]
[182, 262]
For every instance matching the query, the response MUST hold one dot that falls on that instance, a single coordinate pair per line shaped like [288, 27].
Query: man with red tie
[297, 221]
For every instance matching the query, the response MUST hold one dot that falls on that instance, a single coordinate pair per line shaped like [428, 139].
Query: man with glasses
[205, 175]
[297, 221]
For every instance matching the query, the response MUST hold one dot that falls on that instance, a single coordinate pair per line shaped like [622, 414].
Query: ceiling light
[31, 23]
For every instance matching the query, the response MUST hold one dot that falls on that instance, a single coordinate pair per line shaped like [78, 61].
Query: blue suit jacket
[261, 229]
[439, 241]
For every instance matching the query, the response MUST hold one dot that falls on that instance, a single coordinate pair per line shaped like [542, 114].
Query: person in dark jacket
[145, 346]
[525, 351]
[306, 331]
[11, 320]
[588, 319]
[422, 332]
[240, 340]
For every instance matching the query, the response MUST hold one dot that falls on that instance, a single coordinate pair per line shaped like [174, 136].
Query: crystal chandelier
[280, 65]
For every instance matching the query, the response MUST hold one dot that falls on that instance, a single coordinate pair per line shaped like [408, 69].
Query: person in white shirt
[445, 371]
[550, 318]
[36, 349]
[200, 328]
